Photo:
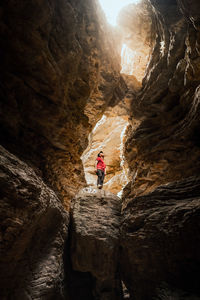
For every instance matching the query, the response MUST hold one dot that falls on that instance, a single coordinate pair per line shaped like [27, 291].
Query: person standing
[100, 167]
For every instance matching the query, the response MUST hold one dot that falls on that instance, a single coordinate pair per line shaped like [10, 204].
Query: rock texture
[59, 71]
[163, 144]
[136, 23]
[32, 234]
[160, 243]
[160, 229]
[108, 136]
[95, 221]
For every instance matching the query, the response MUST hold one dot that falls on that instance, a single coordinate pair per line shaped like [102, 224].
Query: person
[100, 168]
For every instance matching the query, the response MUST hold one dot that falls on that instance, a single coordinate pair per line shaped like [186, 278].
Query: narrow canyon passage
[107, 136]
[74, 81]
[109, 133]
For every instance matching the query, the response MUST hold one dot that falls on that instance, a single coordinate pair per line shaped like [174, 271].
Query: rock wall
[108, 136]
[136, 24]
[160, 239]
[94, 232]
[163, 144]
[33, 231]
[59, 71]
[160, 243]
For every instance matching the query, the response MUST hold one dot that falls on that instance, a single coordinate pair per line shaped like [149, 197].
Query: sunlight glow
[127, 60]
[113, 7]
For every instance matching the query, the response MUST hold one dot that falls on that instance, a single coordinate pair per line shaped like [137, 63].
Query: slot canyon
[71, 85]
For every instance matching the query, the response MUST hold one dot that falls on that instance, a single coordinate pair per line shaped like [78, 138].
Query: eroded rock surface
[160, 239]
[136, 23]
[107, 136]
[164, 145]
[59, 72]
[33, 230]
[94, 235]
[161, 242]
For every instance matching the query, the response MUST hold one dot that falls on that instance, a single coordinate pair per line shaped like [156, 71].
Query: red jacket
[101, 164]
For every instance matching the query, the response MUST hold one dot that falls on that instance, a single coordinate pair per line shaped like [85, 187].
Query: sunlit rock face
[59, 67]
[58, 60]
[160, 244]
[107, 136]
[60, 72]
[164, 146]
[135, 23]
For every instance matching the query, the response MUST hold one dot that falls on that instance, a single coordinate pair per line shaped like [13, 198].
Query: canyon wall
[160, 231]
[34, 228]
[164, 144]
[59, 72]
[136, 25]
[94, 248]
[60, 69]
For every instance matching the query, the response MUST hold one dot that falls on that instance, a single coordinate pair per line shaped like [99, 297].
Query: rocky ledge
[161, 241]
[95, 219]
[32, 234]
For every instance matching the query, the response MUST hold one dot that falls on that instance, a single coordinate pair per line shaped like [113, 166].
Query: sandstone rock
[160, 243]
[163, 143]
[59, 72]
[60, 69]
[136, 26]
[33, 231]
[107, 136]
[94, 235]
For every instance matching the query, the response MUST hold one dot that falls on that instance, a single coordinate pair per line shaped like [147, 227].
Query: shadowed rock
[95, 225]
[161, 242]
[60, 69]
[33, 231]
[163, 145]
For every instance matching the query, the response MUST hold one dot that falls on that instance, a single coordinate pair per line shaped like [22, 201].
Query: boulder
[94, 234]
[160, 242]
[33, 232]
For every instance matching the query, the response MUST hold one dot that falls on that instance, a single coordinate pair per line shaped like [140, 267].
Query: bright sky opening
[113, 7]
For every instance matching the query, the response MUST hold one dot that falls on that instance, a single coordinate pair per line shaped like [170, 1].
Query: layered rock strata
[94, 234]
[108, 136]
[160, 243]
[160, 240]
[33, 231]
[136, 25]
[163, 144]
[59, 71]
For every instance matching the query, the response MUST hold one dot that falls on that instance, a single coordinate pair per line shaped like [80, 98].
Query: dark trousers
[101, 175]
